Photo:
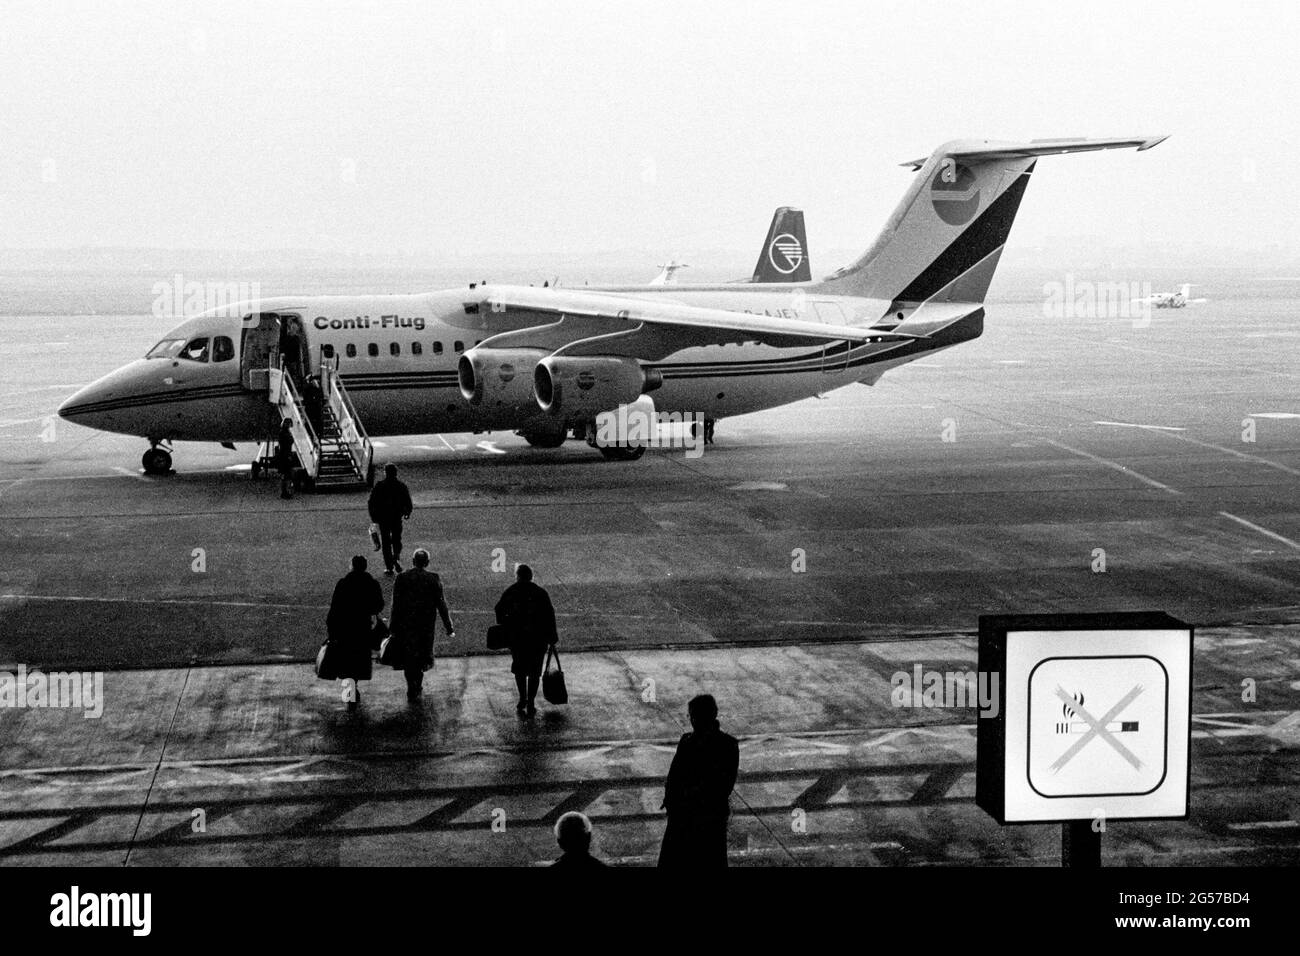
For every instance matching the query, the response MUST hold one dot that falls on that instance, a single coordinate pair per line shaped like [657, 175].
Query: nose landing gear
[157, 460]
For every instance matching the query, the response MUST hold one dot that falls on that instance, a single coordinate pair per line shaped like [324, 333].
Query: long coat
[418, 602]
[525, 611]
[697, 797]
[356, 598]
[389, 502]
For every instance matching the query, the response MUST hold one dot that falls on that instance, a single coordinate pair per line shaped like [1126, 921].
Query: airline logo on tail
[954, 193]
[784, 256]
[785, 253]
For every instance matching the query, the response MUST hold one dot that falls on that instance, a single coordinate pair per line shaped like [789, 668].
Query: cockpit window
[223, 349]
[167, 348]
[196, 350]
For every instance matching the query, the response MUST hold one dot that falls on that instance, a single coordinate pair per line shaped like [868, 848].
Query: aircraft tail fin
[784, 256]
[943, 241]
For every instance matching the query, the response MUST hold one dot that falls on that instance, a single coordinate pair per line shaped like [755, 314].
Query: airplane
[668, 272]
[546, 362]
[783, 257]
[1171, 300]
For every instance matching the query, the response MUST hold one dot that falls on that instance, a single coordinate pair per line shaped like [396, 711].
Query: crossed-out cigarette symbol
[1097, 728]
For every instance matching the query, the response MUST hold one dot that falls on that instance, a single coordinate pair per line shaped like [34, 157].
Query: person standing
[350, 625]
[389, 505]
[525, 611]
[313, 402]
[697, 795]
[284, 457]
[418, 602]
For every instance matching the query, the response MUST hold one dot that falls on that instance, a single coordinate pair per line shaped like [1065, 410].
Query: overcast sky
[573, 127]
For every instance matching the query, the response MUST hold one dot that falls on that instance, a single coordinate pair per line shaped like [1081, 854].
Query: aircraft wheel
[622, 452]
[156, 462]
[546, 439]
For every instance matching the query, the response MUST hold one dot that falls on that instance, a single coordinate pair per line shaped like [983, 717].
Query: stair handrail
[305, 442]
[351, 430]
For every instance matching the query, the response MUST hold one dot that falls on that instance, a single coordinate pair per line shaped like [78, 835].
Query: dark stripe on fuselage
[156, 398]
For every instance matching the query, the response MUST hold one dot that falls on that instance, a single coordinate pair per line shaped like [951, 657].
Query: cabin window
[373, 350]
[417, 348]
[459, 346]
[394, 349]
[437, 348]
[196, 350]
[223, 349]
[327, 351]
[352, 351]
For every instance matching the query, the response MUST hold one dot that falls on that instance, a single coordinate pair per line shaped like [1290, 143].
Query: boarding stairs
[341, 455]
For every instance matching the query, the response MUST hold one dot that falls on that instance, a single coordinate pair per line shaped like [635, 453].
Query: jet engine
[579, 387]
[494, 377]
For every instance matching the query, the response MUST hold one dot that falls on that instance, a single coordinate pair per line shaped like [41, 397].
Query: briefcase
[553, 688]
[326, 662]
[498, 638]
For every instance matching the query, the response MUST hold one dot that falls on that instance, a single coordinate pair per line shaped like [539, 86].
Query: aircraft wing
[666, 316]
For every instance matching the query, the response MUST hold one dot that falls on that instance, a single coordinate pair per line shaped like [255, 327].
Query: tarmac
[1063, 465]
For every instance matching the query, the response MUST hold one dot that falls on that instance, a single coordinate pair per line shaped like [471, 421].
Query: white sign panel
[1096, 724]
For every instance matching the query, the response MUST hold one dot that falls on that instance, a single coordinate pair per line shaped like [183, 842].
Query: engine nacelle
[581, 386]
[494, 377]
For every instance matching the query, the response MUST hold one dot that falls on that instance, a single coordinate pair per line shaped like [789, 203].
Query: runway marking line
[1264, 531]
[1114, 466]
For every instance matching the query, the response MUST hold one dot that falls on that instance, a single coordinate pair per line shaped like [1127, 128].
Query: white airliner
[1171, 300]
[547, 361]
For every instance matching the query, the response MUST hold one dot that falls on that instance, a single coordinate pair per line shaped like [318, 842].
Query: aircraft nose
[101, 403]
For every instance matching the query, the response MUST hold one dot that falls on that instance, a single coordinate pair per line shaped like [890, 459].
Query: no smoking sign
[1095, 717]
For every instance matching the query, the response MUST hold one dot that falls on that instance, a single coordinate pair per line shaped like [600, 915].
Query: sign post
[1093, 725]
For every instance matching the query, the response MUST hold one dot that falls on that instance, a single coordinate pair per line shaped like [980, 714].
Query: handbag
[325, 663]
[498, 637]
[378, 633]
[391, 653]
[553, 687]
[374, 537]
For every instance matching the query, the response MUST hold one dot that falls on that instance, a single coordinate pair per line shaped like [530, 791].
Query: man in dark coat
[418, 602]
[389, 505]
[697, 795]
[349, 624]
[313, 401]
[284, 457]
[526, 613]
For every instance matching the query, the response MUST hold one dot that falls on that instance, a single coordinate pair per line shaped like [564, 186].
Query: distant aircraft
[668, 272]
[1171, 300]
[783, 257]
[546, 362]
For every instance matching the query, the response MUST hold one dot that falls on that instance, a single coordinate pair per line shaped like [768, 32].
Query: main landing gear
[157, 460]
[622, 452]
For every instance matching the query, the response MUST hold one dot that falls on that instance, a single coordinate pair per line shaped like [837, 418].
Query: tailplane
[943, 241]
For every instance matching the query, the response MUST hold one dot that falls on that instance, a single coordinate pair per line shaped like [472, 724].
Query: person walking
[418, 602]
[697, 795]
[350, 626]
[390, 505]
[525, 611]
[284, 457]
